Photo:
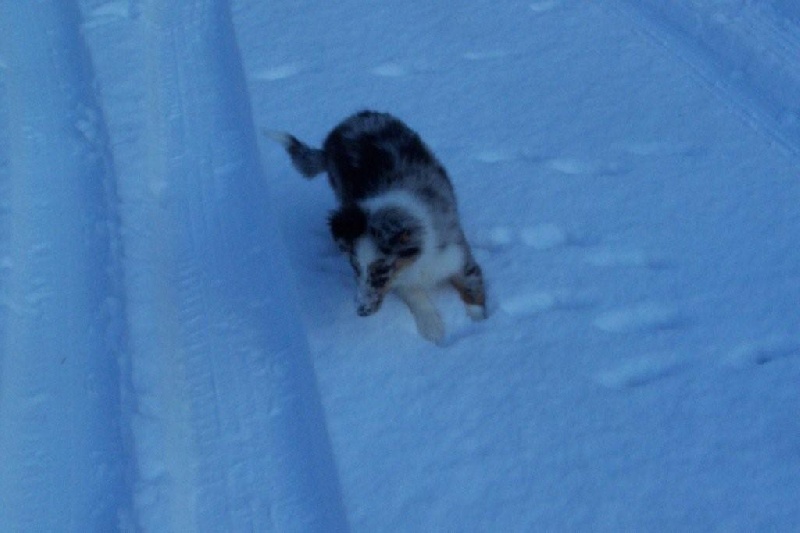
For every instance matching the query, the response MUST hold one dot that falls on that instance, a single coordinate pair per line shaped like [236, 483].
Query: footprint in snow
[494, 238]
[485, 55]
[544, 236]
[583, 167]
[763, 352]
[540, 237]
[605, 257]
[391, 70]
[107, 13]
[658, 148]
[543, 6]
[639, 372]
[528, 303]
[532, 302]
[643, 317]
[88, 124]
[394, 69]
[280, 72]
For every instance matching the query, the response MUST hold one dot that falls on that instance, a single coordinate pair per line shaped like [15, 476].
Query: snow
[180, 348]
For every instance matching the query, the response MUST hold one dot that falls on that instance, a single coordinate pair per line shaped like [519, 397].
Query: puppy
[397, 219]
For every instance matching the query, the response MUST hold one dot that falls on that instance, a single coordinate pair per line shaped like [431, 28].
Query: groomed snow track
[747, 51]
[149, 243]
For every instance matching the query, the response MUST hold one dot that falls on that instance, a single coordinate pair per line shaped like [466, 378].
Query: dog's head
[379, 244]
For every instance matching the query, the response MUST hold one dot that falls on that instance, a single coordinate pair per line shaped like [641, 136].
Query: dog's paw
[431, 327]
[477, 312]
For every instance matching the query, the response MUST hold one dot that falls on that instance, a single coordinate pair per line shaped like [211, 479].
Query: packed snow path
[59, 384]
[203, 412]
[628, 175]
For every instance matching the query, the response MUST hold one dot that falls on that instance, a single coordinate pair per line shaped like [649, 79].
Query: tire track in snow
[225, 415]
[60, 443]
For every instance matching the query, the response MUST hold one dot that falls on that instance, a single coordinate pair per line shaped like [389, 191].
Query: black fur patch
[396, 232]
[347, 224]
[367, 151]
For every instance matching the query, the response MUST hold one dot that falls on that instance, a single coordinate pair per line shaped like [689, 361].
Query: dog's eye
[408, 252]
[380, 283]
[380, 269]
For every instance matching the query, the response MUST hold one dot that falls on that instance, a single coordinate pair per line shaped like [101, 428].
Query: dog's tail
[307, 160]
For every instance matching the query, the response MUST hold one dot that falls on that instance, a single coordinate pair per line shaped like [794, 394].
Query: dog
[397, 219]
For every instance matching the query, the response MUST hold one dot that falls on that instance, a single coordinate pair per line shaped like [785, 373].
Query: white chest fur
[436, 264]
[432, 267]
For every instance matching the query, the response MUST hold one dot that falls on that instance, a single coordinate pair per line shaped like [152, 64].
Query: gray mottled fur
[368, 157]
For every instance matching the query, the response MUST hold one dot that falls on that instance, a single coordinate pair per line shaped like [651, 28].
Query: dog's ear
[347, 224]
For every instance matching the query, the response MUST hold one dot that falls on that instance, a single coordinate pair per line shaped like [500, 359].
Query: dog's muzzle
[368, 301]
[364, 310]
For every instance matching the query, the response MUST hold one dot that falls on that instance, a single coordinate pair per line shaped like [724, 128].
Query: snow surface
[180, 348]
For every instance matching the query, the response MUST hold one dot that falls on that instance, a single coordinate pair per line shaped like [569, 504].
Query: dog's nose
[366, 310]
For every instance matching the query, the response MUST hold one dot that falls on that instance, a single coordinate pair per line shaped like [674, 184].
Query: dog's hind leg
[470, 286]
[429, 323]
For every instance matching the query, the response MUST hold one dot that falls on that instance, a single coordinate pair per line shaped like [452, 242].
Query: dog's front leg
[429, 323]
[470, 286]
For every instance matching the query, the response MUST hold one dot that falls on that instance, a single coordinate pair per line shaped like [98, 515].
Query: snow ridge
[209, 375]
[177, 373]
[60, 319]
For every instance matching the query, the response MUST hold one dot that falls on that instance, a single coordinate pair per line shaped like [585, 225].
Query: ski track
[58, 315]
[742, 51]
[197, 416]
